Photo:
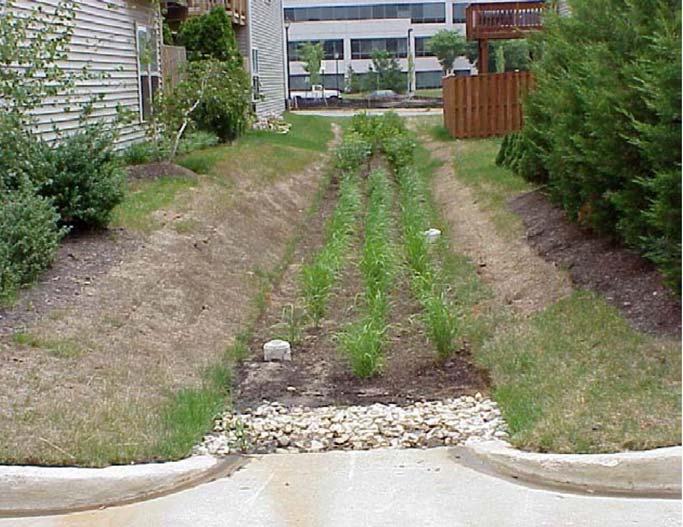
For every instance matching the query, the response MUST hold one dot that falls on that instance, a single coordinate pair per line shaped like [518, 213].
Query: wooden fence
[484, 105]
[172, 60]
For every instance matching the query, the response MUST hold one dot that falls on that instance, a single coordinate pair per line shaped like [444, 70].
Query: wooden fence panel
[172, 60]
[485, 105]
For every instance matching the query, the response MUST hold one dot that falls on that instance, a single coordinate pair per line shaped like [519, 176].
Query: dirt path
[98, 370]
[519, 277]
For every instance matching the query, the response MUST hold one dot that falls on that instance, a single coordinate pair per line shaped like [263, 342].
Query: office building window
[363, 48]
[459, 13]
[428, 79]
[425, 13]
[331, 47]
[422, 47]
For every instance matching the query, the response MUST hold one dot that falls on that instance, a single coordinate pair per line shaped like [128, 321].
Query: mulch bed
[624, 278]
[157, 170]
[320, 375]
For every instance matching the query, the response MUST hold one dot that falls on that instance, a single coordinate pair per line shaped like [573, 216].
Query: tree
[447, 46]
[499, 58]
[603, 124]
[517, 55]
[210, 36]
[312, 55]
[385, 73]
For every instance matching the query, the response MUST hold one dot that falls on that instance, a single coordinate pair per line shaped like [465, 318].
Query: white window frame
[255, 75]
[156, 73]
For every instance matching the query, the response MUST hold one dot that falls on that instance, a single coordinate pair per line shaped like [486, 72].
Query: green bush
[352, 152]
[29, 237]
[224, 94]
[209, 36]
[603, 125]
[23, 157]
[140, 153]
[86, 180]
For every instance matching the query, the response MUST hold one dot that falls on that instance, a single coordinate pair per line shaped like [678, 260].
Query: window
[148, 69]
[331, 47]
[422, 47]
[428, 79]
[255, 77]
[363, 48]
[459, 13]
[423, 13]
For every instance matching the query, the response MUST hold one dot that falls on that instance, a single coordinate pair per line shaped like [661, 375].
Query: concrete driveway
[393, 488]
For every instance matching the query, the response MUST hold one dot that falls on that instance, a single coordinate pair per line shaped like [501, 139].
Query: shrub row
[45, 189]
[319, 275]
[363, 341]
[603, 125]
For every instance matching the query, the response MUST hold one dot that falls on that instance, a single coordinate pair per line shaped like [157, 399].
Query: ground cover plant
[573, 376]
[319, 275]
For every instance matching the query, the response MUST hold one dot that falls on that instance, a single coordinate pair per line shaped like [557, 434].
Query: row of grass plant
[364, 341]
[428, 281]
[319, 275]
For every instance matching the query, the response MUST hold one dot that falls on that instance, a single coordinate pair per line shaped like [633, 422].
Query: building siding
[104, 41]
[266, 33]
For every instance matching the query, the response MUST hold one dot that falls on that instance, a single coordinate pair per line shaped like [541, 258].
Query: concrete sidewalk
[393, 488]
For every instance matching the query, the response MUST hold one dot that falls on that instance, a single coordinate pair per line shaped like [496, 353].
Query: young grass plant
[319, 275]
[428, 283]
[364, 341]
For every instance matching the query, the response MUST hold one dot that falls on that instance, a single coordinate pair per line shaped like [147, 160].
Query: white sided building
[352, 29]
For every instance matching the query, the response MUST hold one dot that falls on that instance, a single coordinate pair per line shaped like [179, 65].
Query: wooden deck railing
[178, 11]
[236, 8]
[503, 20]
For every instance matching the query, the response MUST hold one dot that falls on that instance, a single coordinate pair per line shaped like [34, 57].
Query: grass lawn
[258, 156]
[429, 93]
[138, 366]
[574, 377]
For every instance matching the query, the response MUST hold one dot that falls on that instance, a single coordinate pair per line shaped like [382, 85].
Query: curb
[33, 490]
[649, 473]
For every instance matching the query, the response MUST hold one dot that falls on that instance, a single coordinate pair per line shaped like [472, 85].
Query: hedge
[603, 125]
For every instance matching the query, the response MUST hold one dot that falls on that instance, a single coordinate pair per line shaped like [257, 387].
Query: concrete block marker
[33, 490]
[277, 350]
[655, 473]
[432, 235]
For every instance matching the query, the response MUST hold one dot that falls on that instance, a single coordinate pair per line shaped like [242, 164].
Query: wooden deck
[178, 10]
[503, 20]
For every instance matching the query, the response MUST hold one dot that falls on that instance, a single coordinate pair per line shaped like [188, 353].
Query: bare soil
[519, 277]
[82, 259]
[624, 278]
[319, 374]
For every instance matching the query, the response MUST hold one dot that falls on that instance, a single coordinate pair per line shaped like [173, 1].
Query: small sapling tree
[447, 46]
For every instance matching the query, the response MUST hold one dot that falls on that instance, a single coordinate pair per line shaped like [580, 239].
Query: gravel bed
[273, 427]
